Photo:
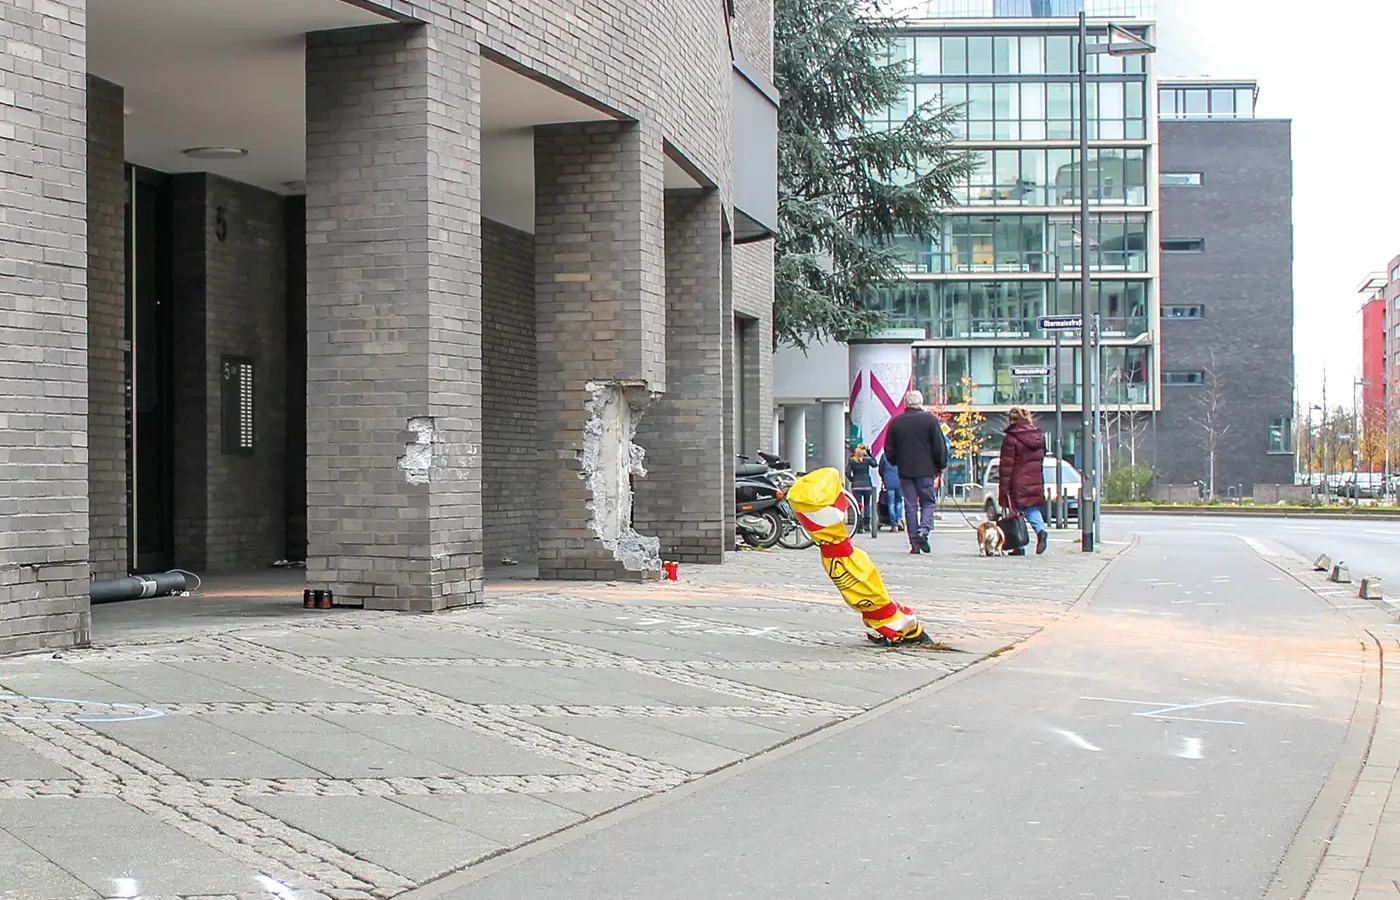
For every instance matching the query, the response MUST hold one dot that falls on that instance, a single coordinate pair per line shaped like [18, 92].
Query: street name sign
[1030, 371]
[1061, 323]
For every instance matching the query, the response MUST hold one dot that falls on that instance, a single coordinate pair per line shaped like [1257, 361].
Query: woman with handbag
[1021, 484]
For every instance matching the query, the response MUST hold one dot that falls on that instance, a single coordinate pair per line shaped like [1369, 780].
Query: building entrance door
[149, 375]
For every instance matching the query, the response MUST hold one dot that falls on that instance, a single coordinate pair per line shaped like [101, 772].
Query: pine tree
[847, 188]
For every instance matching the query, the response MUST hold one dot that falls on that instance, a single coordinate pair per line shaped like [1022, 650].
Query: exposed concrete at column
[43, 329]
[599, 320]
[394, 316]
[106, 287]
[686, 433]
[230, 275]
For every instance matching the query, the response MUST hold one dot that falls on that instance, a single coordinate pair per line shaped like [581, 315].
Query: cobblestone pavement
[353, 755]
[1360, 847]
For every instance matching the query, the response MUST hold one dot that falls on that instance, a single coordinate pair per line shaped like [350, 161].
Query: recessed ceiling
[214, 73]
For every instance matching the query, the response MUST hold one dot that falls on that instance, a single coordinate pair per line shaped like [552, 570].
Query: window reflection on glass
[1059, 55]
[1222, 103]
[927, 56]
[1244, 103]
[1195, 102]
[1005, 55]
[1032, 55]
[954, 55]
[1281, 435]
[979, 56]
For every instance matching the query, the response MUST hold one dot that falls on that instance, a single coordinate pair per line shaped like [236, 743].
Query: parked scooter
[775, 469]
[760, 512]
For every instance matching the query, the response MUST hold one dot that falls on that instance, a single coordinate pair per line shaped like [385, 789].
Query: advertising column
[881, 370]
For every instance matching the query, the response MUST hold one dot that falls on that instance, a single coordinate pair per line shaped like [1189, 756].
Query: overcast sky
[1330, 68]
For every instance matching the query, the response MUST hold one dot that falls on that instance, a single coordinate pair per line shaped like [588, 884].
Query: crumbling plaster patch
[609, 461]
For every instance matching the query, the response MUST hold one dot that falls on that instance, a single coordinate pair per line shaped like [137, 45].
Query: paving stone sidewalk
[198, 752]
[1362, 853]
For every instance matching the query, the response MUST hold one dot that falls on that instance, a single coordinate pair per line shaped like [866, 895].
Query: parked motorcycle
[760, 512]
[777, 470]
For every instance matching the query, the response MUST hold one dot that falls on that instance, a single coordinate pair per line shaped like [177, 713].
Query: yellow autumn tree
[965, 441]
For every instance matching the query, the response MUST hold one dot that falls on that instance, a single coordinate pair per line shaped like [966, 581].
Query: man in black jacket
[916, 445]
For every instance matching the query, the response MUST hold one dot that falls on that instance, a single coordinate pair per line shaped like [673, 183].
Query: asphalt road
[1368, 548]
[1164, 743]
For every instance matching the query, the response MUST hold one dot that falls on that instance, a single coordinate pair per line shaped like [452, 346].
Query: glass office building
[1007, 254]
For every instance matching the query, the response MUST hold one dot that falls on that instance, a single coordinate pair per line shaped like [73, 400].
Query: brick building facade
[517, 259]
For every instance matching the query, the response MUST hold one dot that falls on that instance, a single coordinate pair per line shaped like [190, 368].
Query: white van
[1069, 477]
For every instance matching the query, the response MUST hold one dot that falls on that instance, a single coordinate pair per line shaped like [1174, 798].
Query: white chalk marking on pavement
[142, 712]
[1165, 710]
[1076, 740]
[126, 887]
[1190, 748]
[1388, 532]
[1257, 546]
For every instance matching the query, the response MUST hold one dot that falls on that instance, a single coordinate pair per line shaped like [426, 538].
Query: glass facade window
[1281, 435]
[1183, 379]
[1041, 110]
[1184, 311]
[1045, 177]
[1206, 101]
[969, 244]
[1010, 310]
[939, 373]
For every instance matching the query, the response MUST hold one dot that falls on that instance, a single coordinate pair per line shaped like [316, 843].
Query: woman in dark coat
[1021, 478]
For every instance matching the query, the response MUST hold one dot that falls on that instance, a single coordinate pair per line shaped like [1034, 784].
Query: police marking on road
[1169, 710]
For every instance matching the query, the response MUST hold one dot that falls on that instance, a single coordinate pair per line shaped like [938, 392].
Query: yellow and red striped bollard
[821, 507]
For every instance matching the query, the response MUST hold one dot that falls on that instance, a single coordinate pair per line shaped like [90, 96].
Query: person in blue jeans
[1021, 485]
[858, 469]
[894, 493]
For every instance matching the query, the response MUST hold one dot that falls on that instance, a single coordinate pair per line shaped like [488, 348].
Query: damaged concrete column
[687, 434]
[394, 316]
[600, 340]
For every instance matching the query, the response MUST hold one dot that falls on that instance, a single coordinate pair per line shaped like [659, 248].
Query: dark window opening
[1184, 311]
[1183, 378]
[1181, 179]
[1183, 245]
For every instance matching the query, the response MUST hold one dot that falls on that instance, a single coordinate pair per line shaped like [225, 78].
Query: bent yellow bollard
[821, 507]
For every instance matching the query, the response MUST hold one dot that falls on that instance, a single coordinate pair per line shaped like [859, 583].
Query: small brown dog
[991, 539]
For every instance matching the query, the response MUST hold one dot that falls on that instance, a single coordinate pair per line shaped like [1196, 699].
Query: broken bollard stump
[1340, 574]
[1322, 563]
[1370, 589]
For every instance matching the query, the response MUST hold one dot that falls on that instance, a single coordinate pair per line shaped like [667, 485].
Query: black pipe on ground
[137, 587]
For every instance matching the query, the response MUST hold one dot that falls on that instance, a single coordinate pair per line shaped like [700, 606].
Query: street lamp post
[1059, 405]
[1088, 401]
[1356, 386]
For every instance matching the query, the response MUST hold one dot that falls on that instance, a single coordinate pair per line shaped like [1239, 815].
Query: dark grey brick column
[599, 315]
[394, 316]
[684, 433]
[106, 286]
[43, 327]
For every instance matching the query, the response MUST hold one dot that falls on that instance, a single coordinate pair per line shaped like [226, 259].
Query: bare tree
[1211, 418]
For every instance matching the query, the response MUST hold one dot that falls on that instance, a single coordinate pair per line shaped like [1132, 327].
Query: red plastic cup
[672, 570]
